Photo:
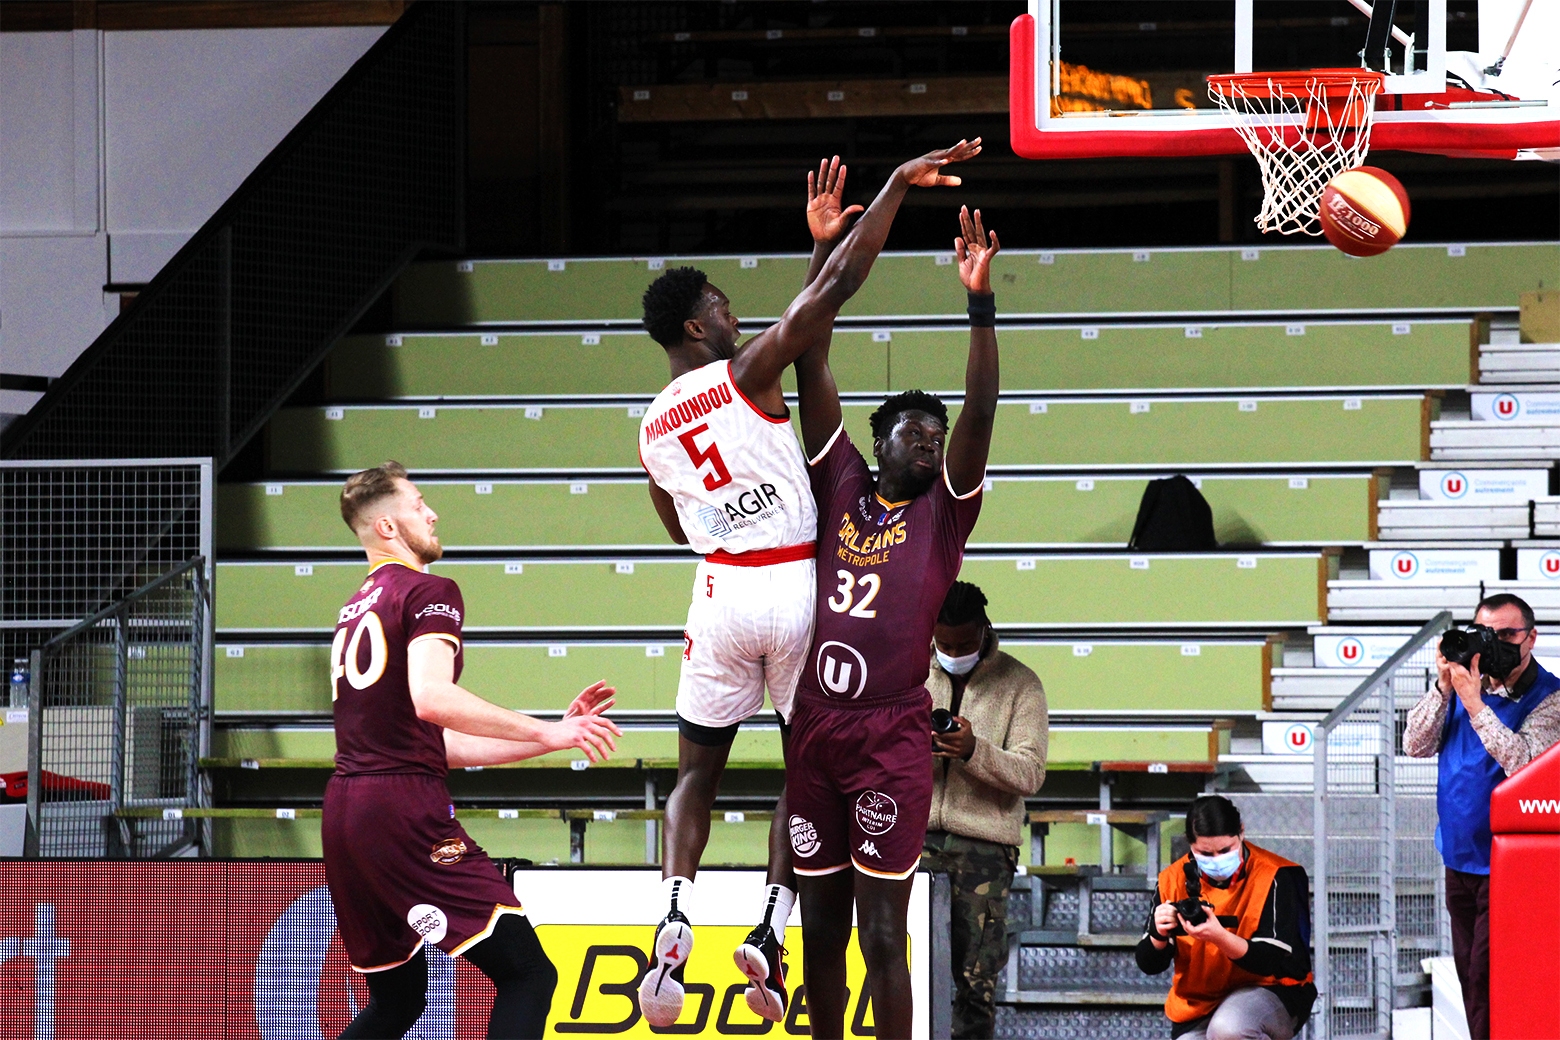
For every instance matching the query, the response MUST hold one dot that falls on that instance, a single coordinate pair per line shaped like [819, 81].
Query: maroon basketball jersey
[883, 571]
[377, 728]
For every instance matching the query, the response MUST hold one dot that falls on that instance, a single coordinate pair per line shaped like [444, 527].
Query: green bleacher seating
[1316, 430]
[1069, 747]
[1073, 591]
[1163, 281]
[1034, 358]
[1326, 509]
[1182, 676]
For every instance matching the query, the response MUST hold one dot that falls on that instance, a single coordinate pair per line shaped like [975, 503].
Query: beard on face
[426, 550]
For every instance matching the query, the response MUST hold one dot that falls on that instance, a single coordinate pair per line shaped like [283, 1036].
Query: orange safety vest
[1204, 976]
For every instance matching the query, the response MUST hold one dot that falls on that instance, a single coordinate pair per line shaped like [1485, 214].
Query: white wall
[116, 147]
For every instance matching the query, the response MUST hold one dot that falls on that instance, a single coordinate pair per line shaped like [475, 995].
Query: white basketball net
[1302, 136]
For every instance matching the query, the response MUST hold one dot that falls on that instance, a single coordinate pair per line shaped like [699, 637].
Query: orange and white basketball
[1364, 211]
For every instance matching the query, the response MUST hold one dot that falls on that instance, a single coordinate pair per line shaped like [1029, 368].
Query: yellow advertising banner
[599, 967]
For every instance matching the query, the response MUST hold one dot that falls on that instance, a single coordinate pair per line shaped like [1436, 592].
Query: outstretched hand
[975, 247]
[592, 734]
[594, 699]
[926, 172]
[826, 218]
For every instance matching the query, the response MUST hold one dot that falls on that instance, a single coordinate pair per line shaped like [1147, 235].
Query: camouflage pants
[979, 874]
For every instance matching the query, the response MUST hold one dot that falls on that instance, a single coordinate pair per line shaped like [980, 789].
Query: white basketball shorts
[748, 628]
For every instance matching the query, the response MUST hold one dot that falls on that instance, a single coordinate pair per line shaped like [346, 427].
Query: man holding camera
[989, 736]
[1488, 714]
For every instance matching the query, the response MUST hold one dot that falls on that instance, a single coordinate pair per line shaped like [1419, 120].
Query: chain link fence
[1376, 876]
[116, 712]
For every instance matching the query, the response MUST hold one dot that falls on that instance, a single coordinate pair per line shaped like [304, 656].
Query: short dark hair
[671, 300]
[1506, 599]
[367, 487]
[1212, 816]
[889, 411]
[963, 604]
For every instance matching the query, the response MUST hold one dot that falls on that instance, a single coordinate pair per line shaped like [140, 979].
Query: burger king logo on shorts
[876, 812]
[428, 921]
[449, 852]
[804, 836]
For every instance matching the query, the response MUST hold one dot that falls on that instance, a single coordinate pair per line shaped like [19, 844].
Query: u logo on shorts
[841, 668]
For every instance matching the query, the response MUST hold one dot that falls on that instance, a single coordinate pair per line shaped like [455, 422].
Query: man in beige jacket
[991, 757]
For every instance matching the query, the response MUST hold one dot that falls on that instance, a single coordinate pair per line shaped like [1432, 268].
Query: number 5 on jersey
[721, 476]
[344, 654]
[843, 596]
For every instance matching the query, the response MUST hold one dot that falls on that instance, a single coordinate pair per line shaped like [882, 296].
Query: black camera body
[1497, 658]
[942, 721]
[1191, 908]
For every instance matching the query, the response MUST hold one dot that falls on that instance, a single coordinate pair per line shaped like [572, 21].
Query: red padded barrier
[1525, 903]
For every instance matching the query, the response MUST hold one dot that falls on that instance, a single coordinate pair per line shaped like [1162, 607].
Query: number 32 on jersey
[844, 599]
[344, 654]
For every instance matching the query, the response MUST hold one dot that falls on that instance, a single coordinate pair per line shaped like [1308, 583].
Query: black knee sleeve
[396, 999]
[523, 979]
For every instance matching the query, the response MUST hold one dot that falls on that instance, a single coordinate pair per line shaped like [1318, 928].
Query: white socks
[678, 892]
[778, 901]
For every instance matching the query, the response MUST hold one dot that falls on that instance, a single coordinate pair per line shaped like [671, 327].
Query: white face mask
[957, 665]
[1221, 867]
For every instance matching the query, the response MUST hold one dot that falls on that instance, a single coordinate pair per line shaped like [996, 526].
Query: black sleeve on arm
[1150, 960]
[1280, 947]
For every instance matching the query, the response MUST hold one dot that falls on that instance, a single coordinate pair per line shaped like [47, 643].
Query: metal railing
[1374, 879]
[117, 718]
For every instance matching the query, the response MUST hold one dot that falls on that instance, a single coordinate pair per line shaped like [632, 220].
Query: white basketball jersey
[737, 475]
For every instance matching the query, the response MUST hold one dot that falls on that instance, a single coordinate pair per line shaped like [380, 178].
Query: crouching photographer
[1233, 919]
[1488, 714]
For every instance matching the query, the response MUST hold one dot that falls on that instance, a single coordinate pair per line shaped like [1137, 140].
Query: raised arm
[827, 216]
[485, 734]
[969, 443]
[759, 364]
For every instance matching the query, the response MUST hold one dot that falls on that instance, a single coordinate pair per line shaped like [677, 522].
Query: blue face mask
[1221, 867]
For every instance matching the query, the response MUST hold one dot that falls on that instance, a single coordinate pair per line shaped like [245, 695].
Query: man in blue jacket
[1485, 728]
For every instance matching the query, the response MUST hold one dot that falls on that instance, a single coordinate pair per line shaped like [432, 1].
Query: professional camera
[942, 721]
[1191, 908]
[1497, 658]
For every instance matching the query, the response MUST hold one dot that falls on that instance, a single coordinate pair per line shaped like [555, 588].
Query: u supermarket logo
[1454, 485]
[1506, 406]
[1351, 652]
[1549, 565]
[1297, 738]
[1405, 565]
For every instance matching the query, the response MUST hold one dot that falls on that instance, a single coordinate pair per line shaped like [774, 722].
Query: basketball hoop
[1304, 128]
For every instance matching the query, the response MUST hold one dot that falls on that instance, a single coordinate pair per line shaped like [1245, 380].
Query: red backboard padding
[1529, 803]
[1525, 936]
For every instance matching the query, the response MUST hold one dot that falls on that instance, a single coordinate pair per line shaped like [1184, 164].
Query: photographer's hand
[1165, 921]
[1468, 684]
[1211, 931]
[959, 744]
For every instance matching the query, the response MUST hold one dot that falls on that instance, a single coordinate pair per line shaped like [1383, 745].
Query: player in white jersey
[728, 479]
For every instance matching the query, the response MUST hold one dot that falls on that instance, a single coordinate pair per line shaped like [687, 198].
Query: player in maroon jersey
[858, 782]
[402, 870]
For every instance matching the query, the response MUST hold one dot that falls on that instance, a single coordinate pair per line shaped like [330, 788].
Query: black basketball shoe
[661, 990]
[760, 958]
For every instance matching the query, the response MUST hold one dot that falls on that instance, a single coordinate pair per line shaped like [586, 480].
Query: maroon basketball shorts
[859, 782]
[403, 872]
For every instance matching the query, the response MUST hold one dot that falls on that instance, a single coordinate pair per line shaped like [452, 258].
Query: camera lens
[942, 721]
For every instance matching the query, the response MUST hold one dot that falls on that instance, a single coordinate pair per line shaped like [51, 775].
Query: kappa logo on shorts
[449, 852]
[876, 812]
[869, 848]
[841, 669]
[428, 921]
[804, 836]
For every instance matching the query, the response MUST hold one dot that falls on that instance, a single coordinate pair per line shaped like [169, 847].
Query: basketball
[1364, 211]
